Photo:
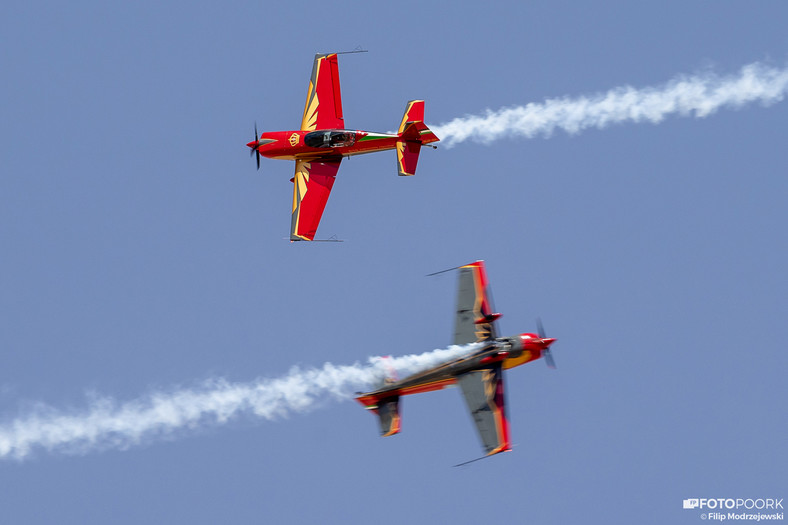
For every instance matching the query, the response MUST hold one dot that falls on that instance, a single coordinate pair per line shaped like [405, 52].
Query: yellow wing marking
[301, 180]
[404, 118]
[309, 122]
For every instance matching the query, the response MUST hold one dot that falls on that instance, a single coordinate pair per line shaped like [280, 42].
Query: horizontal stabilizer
[407, 157]
[388, 413]
[414, 112]
[387, 410]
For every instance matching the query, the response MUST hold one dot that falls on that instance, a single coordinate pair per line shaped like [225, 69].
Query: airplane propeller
[548, 356]
[254, 145]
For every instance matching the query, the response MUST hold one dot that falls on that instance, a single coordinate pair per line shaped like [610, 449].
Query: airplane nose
[259, 142]
[547, 341]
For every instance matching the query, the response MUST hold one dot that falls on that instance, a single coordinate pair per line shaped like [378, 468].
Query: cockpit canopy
[330, 139]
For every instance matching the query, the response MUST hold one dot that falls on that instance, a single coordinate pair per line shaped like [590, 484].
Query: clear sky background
[140, 251]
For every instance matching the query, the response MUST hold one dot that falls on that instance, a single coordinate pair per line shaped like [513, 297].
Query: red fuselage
[326, 143]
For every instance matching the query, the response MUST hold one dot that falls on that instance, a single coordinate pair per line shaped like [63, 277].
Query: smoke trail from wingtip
[107, 424]
[699, 96]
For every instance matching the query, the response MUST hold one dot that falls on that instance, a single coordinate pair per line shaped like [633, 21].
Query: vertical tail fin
[413, 133]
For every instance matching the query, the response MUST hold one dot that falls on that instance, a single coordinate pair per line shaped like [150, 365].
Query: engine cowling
[519, 343]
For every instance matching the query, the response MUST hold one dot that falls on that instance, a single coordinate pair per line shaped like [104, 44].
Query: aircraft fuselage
[294, 145]
[510, 351]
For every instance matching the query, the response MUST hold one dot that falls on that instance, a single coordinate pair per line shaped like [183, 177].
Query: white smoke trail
[106, 424]
[699, 95]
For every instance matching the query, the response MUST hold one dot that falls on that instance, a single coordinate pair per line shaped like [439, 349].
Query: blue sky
[142, 252]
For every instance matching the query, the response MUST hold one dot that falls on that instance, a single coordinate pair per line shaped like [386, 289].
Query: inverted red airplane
[321, 143]
[479, 374]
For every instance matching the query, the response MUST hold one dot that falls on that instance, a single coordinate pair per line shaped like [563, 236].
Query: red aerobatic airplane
[321, 143]
[479, 374]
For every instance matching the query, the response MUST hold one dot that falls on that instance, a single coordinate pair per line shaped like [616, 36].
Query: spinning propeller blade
[548, 356]
[254, 145]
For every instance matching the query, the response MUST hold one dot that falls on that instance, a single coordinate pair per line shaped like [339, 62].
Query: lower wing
[312, 185]
[483, 392]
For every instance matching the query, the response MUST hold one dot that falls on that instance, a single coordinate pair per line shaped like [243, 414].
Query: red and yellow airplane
[479, 374]
[321, 143]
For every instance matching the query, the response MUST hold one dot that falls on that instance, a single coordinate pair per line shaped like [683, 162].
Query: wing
[323, 108]
[475, 320]
[311, 187]
[483, 392]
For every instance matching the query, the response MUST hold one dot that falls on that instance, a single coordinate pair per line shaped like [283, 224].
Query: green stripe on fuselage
[374, 136]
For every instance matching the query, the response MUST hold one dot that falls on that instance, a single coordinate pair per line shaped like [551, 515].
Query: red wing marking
[336, 93]
[312, 185]
[323, 108]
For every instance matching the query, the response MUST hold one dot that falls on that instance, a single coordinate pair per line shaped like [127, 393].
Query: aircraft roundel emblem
[294, 139]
